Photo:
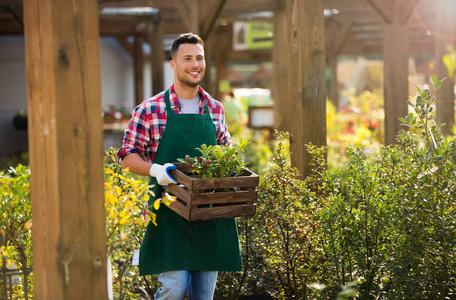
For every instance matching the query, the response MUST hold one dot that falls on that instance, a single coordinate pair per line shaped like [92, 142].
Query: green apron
[177, 244]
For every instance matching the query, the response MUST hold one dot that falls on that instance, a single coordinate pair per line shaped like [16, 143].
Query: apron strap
[169, 111]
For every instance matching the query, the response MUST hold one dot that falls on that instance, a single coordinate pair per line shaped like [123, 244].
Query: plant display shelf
[211, 198]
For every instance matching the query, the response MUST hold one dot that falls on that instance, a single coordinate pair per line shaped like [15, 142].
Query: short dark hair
[185, 38]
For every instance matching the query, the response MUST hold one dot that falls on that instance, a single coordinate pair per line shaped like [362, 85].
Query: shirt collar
[174, 100]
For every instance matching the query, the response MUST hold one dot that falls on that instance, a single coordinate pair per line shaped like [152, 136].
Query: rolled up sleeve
[223, 135]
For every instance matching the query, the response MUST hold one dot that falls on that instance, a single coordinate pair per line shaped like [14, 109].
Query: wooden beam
[336, 37]
[158, 57]
[123, 41]
[183, 8]
[17, 12]
[138, 69]
[395, 15]
[384, 8]
[306, 78]
[238, 6]
[223, 39]
[6, 3]
[406, 9]
[194, 16]
[207, 23]
[66, 160]
[446, 37]
[395, 75]
[136, 3]
[339, 39]
[280, 94]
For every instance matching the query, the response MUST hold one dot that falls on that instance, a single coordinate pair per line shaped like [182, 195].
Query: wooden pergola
[63, 88]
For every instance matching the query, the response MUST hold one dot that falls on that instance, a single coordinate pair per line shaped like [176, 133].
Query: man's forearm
[136, 164]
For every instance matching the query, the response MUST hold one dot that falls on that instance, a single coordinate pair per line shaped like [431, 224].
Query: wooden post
[306, 78]
[157, 56]
[337, 34]
[139, 70]
[280, 50]
[333, 92]
[224, 40]
[394, 14]
[65, 134]
[445, 37]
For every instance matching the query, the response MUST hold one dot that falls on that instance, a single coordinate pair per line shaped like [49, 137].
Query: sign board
[252, 35]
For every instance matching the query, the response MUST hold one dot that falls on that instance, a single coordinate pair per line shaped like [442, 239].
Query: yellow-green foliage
[126, 204]
[126, 198]
[360, 123]
[127, 215]
[449, 60]
[15, 213]
[16, 223]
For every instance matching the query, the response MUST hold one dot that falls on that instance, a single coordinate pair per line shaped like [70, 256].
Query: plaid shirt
[145, 128]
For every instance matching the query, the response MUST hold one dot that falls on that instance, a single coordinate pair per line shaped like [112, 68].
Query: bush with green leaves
[16, 223]
[281, 250]
[381, 227]
[126, 198]
[389, 220]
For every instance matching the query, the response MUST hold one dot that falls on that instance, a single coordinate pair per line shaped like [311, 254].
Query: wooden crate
[204, 199]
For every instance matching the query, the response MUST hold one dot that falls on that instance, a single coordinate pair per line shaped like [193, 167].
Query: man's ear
[173, 64]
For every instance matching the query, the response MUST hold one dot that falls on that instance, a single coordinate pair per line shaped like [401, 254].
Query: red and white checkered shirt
[145, 128]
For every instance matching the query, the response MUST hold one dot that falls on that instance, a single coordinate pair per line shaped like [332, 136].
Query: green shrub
[380, 227]
[16, 223]
[389, 221]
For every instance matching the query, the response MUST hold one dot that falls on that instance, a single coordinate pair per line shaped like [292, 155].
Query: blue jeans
[197, 285]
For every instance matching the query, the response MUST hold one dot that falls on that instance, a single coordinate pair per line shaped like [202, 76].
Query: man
[186, 255]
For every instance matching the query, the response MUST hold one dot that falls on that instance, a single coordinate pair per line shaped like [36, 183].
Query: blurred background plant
[359, 124]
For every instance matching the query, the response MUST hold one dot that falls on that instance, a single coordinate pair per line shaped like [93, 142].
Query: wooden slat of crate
[224, 197]
[179, 192]
[207, 213]
[227, 182]
[187, 181]
[181, 208]
[193, 193]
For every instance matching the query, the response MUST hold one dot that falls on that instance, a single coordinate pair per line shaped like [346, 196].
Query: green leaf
[435, 81]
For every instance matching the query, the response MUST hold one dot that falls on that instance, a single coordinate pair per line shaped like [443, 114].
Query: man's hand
[162, 173]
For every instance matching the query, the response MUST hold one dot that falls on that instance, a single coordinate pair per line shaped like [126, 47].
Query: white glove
[162, 173]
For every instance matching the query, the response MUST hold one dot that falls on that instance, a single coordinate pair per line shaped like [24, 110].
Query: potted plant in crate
[214, 185]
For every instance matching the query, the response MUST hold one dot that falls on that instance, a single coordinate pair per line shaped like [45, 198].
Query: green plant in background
[389, 221]
[422, 120]
[359, 123]
[281, 239]
[380, 227]
[20, 158]
[126, 199]
[217, 160]
[20, 120]
[449, 60]
[16, 223]
[127, 216]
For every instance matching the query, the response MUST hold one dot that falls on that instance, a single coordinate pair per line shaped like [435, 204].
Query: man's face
[188, 64]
